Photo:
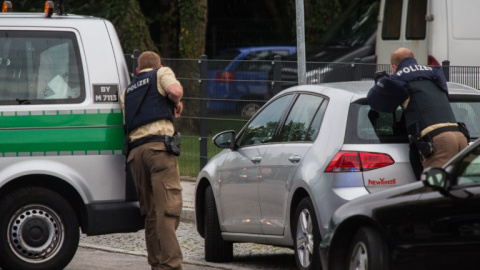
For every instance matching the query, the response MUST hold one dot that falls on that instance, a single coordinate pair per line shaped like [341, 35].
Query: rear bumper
[118, 217]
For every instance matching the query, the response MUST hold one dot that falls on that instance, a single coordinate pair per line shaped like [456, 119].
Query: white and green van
[61, 138]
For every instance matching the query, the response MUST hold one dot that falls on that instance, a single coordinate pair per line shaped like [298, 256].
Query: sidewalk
[188, 193]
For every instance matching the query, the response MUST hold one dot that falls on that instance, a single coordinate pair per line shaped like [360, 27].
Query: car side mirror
[436, 178]
[225, 140]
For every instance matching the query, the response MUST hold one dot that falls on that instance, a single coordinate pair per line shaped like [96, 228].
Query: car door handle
[295, 158]
[256, 159]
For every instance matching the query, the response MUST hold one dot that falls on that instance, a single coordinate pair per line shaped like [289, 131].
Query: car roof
[359, 89]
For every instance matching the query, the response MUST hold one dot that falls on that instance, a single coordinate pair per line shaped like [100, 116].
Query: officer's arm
[387, 94]
[175, 92]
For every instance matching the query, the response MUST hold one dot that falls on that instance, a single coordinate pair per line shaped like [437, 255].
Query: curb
[188, 215]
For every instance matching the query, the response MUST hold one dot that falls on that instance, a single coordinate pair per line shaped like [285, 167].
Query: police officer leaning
[150, 103]
[423, 94]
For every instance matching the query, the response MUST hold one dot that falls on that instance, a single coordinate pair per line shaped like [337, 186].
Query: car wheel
[216, 249]
[249, 109]
[367, 251]
[38, 230]
[307, 236]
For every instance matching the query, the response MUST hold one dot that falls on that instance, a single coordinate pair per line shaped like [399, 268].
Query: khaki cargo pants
[446, 145]
[157, 179]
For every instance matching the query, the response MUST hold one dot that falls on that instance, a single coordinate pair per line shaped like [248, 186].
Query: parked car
[430, 224]
[309, 150]
[238, 78]
[350, 40]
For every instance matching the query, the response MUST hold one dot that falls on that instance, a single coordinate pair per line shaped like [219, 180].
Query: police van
[435, 30]
[62, 166]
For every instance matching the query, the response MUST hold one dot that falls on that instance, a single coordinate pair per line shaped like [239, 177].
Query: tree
[193, 18]
[130, 24]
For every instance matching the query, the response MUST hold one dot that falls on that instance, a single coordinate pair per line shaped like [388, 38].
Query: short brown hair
[400, 54]
[149, 59]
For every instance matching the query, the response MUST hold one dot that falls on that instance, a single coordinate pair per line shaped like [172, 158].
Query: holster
[463, 128]
[424, 145]
[173, 144]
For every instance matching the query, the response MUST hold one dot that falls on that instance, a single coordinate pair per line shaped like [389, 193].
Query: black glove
[380, 74]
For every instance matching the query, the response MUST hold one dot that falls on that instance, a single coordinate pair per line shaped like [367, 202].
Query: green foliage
[130, 24]
[193, 19]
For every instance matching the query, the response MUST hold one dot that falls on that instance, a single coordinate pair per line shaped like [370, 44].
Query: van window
[392, 19]
[416, 23]
[40, 67]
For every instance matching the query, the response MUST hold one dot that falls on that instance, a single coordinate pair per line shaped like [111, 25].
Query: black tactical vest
[143, 94]
[428, 105]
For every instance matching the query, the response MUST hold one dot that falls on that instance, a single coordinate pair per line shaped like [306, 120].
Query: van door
[403, 23]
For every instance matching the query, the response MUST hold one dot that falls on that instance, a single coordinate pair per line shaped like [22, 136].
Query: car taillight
[225, 76]
[358, 161]
[432, 61]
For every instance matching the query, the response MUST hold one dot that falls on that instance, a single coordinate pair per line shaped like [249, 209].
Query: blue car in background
[238, 78]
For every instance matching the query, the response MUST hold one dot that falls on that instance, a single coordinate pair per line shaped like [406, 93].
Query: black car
[430, 224]
[346, 52]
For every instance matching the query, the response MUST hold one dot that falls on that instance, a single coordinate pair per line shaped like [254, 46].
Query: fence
[218, 99]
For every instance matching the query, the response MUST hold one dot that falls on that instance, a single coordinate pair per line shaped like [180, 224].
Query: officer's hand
[379, 75]
[177, 110]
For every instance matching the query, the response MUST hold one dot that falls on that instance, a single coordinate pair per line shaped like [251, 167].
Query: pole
[302, 70]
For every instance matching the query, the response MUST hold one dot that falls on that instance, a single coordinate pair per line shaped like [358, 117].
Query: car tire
[216, 249]
[38, 230]
[367, 251]
[306, 236]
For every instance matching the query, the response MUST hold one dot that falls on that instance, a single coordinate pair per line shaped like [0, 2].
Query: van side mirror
[225, 139]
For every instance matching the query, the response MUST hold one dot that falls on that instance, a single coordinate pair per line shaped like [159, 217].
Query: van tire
[42, 227]
[216, 249]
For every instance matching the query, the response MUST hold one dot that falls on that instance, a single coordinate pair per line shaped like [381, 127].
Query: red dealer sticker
[382, 182]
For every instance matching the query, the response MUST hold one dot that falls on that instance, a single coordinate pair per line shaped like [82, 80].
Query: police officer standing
[150, 103]
[423, 94]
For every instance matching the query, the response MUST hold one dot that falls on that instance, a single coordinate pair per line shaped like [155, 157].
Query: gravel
[192, 248]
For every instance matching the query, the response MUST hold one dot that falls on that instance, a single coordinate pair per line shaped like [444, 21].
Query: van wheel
[306, 236]
[216, 249]
[367, 251]
[38, 230]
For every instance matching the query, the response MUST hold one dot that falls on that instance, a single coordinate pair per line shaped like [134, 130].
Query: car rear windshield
[367, 126]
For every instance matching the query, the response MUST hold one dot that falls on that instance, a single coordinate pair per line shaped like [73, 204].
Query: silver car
[309, 150]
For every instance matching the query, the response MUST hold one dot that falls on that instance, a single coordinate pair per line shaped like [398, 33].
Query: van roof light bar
[48, 9]
[7, 6]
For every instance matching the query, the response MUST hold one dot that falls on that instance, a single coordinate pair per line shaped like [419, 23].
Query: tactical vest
[428, 105]
[143, 94]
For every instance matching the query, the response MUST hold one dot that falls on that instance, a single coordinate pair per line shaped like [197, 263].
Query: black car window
[40, 67]
[303, 121]
[262, 128]
[468, 113]
[469, 169]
